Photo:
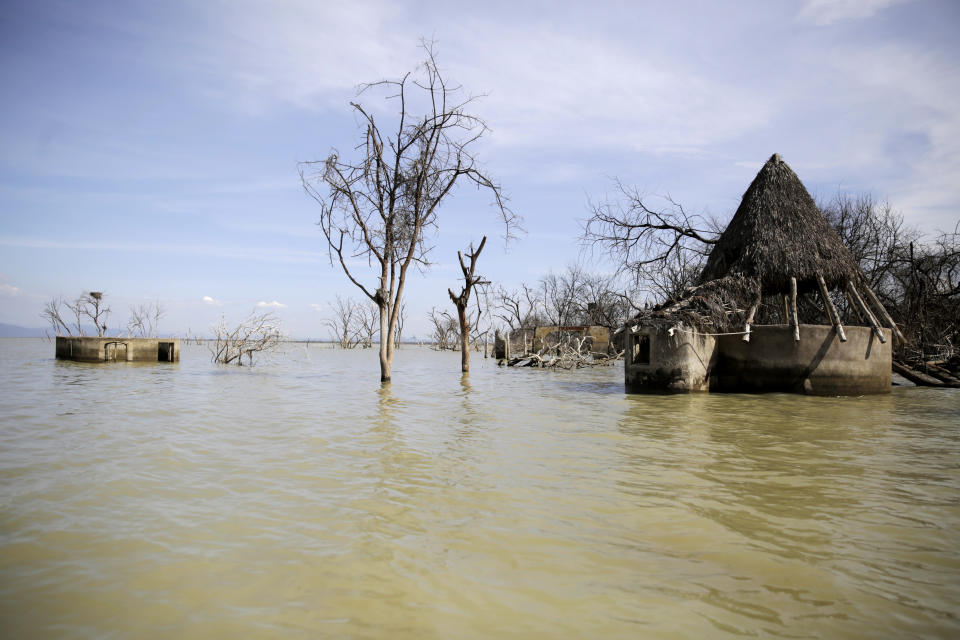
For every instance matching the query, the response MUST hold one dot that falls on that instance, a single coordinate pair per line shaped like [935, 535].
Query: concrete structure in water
[103, 349]
[740, 328]
[685, 360]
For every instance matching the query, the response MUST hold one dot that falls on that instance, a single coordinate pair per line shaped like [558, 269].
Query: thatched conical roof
[778, 233]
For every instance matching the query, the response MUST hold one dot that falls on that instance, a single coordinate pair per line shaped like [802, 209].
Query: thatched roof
[778, 233]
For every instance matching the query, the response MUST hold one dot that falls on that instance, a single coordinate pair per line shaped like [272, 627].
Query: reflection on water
[302, 498]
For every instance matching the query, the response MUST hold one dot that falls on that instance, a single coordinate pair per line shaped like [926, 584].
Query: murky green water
[299, 499]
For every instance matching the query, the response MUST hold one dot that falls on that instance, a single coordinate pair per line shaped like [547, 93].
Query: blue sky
[150, 149]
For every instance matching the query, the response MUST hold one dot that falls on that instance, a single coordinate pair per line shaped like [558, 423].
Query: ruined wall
[656, 362]
[97, 349]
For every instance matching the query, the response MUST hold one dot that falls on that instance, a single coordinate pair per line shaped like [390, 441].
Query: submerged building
[104, 349]
[739, 329]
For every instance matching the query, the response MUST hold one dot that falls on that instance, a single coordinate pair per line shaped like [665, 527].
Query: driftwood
[564, 356]
[934, 376]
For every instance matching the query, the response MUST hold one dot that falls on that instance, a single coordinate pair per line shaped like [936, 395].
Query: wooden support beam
[864, 310]
[882, 312]
[753, 312]
[852, 306]
[793, 310]
[830, 308]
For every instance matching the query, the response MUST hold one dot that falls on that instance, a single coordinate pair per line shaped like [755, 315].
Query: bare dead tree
[369, 323]
[145, 319]
[401, 320]
[90, 305]
[343, 323]
[53, 314]
[87, 305]
[379, 206]
[444, 332]
[663, 249]
[560, 293]
[462, 300]
[520, 308]
[257, 333]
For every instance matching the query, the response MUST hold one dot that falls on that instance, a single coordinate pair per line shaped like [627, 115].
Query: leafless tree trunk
[462, 301]
[89, 305]
[378, 206]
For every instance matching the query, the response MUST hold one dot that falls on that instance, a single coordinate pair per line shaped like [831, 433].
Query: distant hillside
[13, 331]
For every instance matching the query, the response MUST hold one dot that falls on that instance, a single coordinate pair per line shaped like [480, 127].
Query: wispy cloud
[211, 301]
[9, 290]
[318, 307]
[271, 305]
[828, 12]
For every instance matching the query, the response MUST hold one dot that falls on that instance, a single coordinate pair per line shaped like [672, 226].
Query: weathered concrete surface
[677, 364]
[96, 349]
[818, 364]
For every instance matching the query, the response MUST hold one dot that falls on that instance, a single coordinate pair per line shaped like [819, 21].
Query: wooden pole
[786, 309]
[864, 310]
[753, 312]
[872, 297]
[830, 308]
[853, 307]
[793, 310]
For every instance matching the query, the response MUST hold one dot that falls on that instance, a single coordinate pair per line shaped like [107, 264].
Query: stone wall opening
[164, 352]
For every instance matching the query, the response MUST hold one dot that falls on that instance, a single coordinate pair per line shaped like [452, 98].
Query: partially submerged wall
[97, 349]
[657, 362]
[819, 363]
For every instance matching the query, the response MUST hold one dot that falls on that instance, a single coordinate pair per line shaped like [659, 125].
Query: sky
[150, 149]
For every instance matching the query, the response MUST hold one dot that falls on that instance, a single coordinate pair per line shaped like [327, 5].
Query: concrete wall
[772, 361]
[677, 364]
[818, 364]
[95, 349]
[600, 337]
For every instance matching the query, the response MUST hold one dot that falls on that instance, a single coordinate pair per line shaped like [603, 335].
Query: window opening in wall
[164, 352]
[641, 349]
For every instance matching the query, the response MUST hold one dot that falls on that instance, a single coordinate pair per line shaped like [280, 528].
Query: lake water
[299, 499]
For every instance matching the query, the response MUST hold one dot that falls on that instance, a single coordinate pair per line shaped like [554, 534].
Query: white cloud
[8, 290]
[211, 301]
[826, 12]
[271, 305]
[318, 307]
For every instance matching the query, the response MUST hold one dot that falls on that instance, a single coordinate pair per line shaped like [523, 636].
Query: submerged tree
[462, 300]
[379, 205]
[258, 333]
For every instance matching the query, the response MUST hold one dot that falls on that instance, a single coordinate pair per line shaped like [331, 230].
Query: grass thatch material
[778, 233]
